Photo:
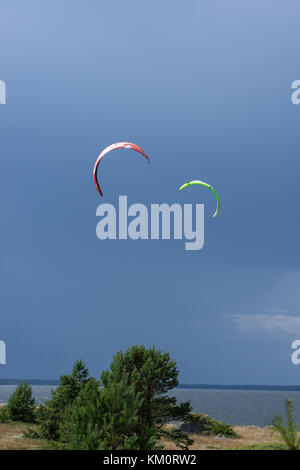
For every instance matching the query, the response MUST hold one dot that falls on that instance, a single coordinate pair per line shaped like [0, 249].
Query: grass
[250, 438]
[12, 437]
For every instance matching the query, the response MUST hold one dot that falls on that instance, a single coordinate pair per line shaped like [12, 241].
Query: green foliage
[289, 433]
[52, 414]
[221, 428]
[206, 425]
[123, 405]
[31, 434]
[4, 415]
[271, 446]
[198, 418]
[21, 405]
[180, 439]
[79, 428]
[105, 417]
[126, 410]
[152, 374]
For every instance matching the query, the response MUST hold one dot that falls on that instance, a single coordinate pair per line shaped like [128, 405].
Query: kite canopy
[118, 145]
[206, 185]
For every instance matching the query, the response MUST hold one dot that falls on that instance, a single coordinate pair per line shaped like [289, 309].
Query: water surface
[240, 407]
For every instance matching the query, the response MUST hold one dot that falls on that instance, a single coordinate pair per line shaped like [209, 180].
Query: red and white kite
[118, 145]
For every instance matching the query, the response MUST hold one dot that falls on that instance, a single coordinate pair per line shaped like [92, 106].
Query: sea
[237, 407]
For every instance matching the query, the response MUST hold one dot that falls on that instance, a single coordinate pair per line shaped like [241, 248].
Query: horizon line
[14, 381]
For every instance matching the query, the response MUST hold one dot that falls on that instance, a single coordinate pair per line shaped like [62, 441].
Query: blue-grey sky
[204, 87]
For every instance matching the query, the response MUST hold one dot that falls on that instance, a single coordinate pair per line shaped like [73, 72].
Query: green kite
[202, 183]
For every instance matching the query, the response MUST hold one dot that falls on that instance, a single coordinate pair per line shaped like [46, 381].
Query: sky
[204, 87]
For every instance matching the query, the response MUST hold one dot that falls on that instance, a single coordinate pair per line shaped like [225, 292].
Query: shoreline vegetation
[129, 408]
[13, 436]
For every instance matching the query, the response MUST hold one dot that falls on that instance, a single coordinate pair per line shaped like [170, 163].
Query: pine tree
[81, 426]
[51, 415]
[152, 374]
[123, 407]
[288, 433]
[21, 405]
[106, 416]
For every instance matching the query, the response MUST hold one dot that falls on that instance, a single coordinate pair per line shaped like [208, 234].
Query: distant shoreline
[280, 388]
[30, 381]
